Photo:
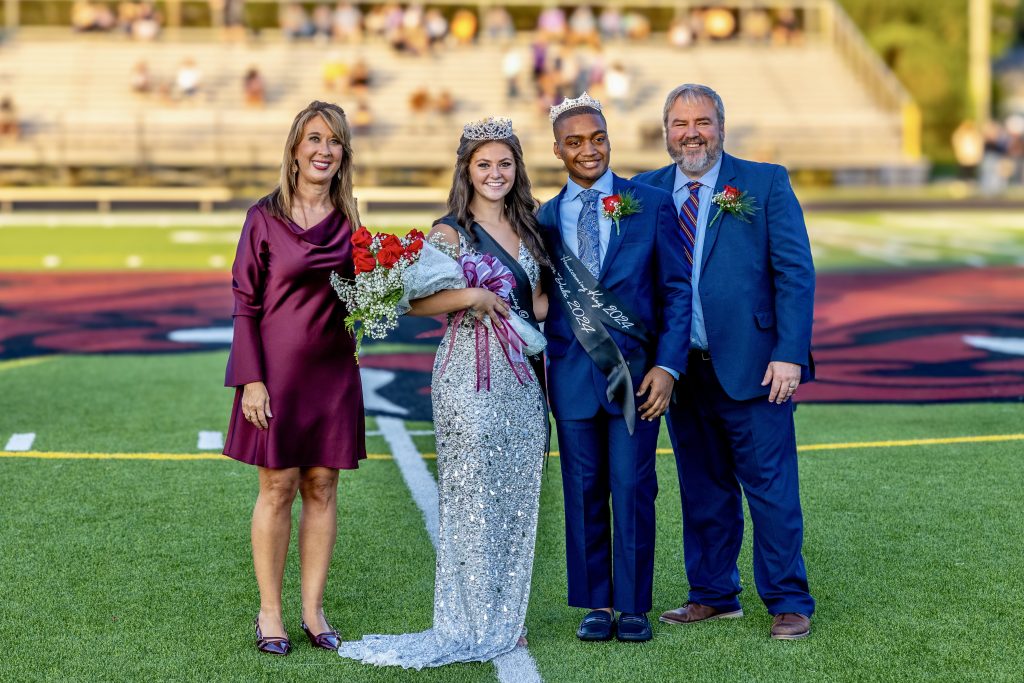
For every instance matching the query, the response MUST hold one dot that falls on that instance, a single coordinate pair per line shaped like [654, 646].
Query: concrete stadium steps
[801, 106]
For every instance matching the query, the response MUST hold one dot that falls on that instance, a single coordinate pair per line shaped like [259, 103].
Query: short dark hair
[576, 111]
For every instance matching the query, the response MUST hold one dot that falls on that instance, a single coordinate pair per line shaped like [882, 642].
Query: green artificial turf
[140, 570]
[861, 239]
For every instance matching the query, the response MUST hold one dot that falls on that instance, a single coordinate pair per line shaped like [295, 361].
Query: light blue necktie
[588, 236]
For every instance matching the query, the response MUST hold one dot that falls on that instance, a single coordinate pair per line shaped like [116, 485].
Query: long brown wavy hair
[519, 202]
[279, 202]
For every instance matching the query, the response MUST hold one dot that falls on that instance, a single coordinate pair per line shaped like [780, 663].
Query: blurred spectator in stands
[568, 63]
[348, 23]
[414, 39]
[582, 26]
[445, 107]
[359, 78]
[141, 81]
[294, 21]
[335, 73]
[498, 25]
[538, 58]
[147, 24]
[234, 20]
[1015, 147]
[464, 26]
[968, 148]
[10, 128]
[757, 26]
[637, 26]
[88, 16]
[362, 119]
[680, 35]
[127, 12]
[617, 85]
[393, 19]
[992, 173]
[436, 26]
[787, 29]
[610, 24]
[551, 23]
[511, 70]
[323, 23]
[189, 79]
[697, 25]
[253, 88]
[720, 23]
[376, 21]
[419, 108]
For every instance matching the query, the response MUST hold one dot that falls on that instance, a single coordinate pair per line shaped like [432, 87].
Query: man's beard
[700, 162]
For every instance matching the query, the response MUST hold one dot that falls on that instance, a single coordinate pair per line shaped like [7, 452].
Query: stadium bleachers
[804, 106]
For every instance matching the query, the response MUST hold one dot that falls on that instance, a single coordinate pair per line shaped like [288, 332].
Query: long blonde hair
[279, 202]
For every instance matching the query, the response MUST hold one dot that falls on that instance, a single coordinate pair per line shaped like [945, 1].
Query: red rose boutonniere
[734, 201]
[618, 206]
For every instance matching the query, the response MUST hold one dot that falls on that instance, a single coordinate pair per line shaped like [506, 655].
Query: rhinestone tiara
[581, 102]
[491, 128]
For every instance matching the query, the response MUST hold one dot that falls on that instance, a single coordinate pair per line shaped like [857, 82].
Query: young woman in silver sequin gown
[490, 443]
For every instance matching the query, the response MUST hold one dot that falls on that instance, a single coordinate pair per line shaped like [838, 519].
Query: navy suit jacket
[643, 268]
[757, 279]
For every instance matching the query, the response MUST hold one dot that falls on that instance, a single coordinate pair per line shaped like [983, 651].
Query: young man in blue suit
[750, 348]
[617, 331]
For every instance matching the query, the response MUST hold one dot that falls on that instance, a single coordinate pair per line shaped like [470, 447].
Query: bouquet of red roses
[373, 296]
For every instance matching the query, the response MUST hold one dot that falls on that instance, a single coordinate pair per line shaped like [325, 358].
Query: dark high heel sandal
[328, 640]
[273, 646]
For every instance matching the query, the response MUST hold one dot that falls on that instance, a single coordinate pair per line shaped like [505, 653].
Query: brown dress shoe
[790, 626]
[692, 612]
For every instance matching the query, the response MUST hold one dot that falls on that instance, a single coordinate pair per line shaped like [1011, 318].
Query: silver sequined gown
[490, 449]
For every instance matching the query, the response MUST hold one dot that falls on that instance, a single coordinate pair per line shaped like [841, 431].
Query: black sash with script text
[591, 310]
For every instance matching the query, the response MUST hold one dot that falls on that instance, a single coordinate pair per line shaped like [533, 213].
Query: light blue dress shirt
[698, 334]
[572, 205]
[569, 216]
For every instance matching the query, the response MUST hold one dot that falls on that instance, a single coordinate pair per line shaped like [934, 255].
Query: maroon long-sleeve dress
[289, 333]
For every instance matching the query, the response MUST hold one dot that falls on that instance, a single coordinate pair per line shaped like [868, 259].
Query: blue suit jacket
[642, 267]
[757, 278]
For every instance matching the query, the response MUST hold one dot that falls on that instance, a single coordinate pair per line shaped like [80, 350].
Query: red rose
[362, 237]
[363, 260]
[414, 247]
[389, 254]
[415, 234]
[611, 202]
[391, 242]
[731, 192]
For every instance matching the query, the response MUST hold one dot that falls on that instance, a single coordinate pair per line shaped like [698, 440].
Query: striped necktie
[688, 223]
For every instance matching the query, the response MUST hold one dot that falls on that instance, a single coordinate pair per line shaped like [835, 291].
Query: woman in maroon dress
[298, 411]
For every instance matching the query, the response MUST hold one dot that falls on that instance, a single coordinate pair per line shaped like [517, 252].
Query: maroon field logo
[891, 336]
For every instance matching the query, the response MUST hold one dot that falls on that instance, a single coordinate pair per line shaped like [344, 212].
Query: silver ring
[792, 386]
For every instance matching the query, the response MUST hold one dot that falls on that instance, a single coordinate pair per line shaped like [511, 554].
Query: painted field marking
[517, 666]
[63, 455]
[20, 442]
[209, 441]
[414, 471]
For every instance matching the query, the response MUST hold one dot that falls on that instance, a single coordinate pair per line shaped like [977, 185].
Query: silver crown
[491, 128]
[581, 102]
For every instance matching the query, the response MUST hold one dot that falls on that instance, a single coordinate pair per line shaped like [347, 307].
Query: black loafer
[597, 625]
[634, 628]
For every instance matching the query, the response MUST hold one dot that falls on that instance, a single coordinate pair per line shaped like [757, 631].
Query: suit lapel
[725, 176]
[615, 237]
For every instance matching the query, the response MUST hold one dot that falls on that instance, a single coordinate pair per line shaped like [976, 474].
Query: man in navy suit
[612, 278]
[750, 348]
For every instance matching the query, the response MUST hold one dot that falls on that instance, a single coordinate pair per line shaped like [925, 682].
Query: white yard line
[517, 666]
[210, 441]
[414, 470]
[20, 442]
